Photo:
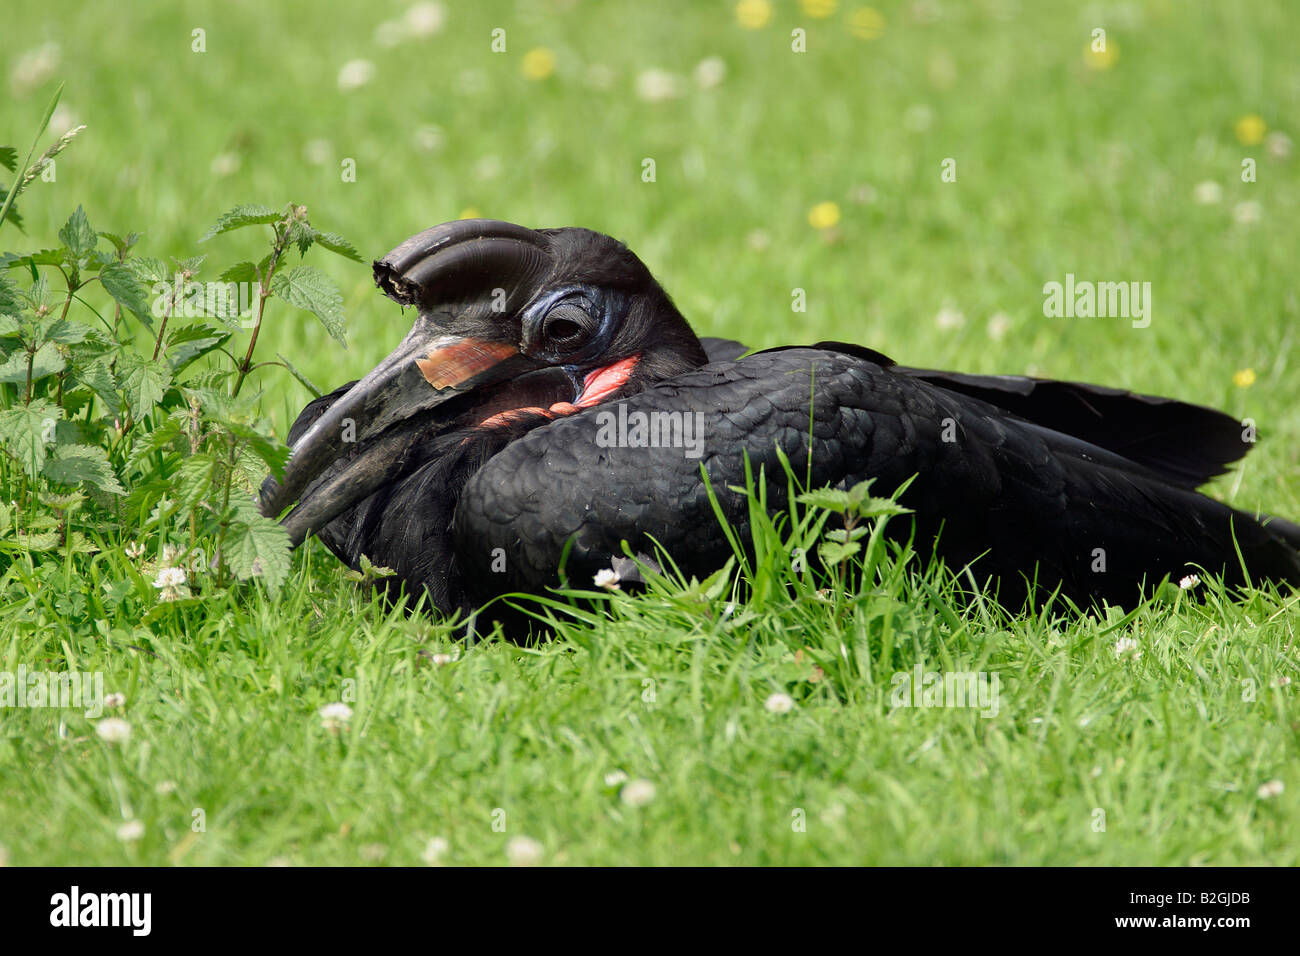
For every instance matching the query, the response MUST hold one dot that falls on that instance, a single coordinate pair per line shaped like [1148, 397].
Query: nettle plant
[134, 430]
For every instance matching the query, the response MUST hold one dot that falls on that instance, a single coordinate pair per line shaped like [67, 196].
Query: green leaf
[23, 430]
[122, 284]
[338, 245]
[77, 235]
[828, 499]
[302, 235]
[149, 270]
[46, 257]
[193, 479]
[9, 158]
[257, 547]
[47, 361]
[310, 289]
[122, 244]
[144, 380]
[834, 553]
[11, 297]
[189, 342]
[97, 376]
[302, 379]
[67, 331]
[273, 453]
[240, 272]
[239, 217]
[72, 464]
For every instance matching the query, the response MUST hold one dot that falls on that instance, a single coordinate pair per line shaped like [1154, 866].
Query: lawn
[920, 171]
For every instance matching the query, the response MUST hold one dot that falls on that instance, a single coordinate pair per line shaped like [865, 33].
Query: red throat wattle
[599, 385]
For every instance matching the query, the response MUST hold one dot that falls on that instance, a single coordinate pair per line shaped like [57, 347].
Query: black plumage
[481, 453]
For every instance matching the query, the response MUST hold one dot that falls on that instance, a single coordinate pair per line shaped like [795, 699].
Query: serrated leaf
[302, 235]
[73, 464]
[11, 297]
[308, 288]
[144, 380]
[23, 433]
[240, 272]
[189, 342]
[193, 479]
[258, 548]
[67, 331]
[46, 257]
[239, 217]
[9, 158]
[77, 235]
[161, 438]
[149, 270]
[36, 541]
[97, 376]
[121, 283]
[47, 361]
[122, 244]
[828, 499]
[833, 553]
[338, 245]
[273, 453]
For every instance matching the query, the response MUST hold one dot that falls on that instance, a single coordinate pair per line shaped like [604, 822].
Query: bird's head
[511, 323]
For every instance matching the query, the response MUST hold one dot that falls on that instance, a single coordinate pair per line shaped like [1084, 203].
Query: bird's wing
[1013, 493]
[723, 350]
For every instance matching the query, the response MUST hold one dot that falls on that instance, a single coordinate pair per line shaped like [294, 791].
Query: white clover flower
[114, 730]
[134, 551]
[1245, 213]
[425, 19]
[656, 86]
[524, 851]
[334, 716]
[607, 578]
[779, 703]
[638, 793]
[114, 700]
[1278, 145]
[614, 778]
[1272, 788]
[435, 850]
[1189, 582]
[1207, 193]
[130, 831]
[709, 72]
[170, 578]
[1127, 647]
[355, 74]
[1281, 681]
[949, 317]
[999, 325]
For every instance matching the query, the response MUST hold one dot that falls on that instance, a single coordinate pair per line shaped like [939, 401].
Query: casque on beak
[448, 273]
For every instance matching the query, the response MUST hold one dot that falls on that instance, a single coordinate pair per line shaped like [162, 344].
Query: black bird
[502, 433]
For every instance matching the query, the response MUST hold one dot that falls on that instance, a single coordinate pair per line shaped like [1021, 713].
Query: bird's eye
[566, 327]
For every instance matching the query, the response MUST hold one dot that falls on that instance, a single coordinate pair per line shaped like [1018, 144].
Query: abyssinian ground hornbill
[519, 416]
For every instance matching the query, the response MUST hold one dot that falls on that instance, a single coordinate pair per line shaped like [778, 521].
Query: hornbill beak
[467, 279]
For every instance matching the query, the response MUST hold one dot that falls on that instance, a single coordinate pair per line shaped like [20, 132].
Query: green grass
[1061, 168]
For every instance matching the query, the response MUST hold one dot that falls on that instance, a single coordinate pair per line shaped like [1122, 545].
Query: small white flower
[170, 553]
[134, 551]
[709, 72]
[355, 74]
[425, 19]
[1278, 145]
[1273, 788]
[949, 317]
[62, 120]
[999, 325]
[1207, 193]
[114, 730]
[656, 86]
[334, 716]
[1127, 647]
[638, 793]
[34, 67]
[614, 778]
[114, 700]
[224, 164]
[833, 813]
[524, 851]
[607, 578]
[1189, 582]
[164, 787]
[1246, 212]
[435, 850]
[779, 703]
[1281, 681]
[427, 139]
[130, 831]
[444, 659]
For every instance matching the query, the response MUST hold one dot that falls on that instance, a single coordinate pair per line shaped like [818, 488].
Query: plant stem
[281, 235]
